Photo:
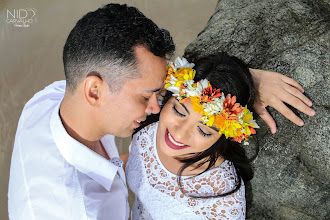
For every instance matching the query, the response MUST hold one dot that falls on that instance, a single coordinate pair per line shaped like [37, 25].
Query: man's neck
[77, 124]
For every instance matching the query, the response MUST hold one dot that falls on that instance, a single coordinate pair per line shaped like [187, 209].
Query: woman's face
[181, 131]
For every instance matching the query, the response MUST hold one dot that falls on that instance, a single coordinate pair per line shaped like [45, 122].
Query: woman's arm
[274, 89]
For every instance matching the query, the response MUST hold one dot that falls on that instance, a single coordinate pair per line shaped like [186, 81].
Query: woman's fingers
[266, 117]
[297, 100]
[291, 82]
[288, 113]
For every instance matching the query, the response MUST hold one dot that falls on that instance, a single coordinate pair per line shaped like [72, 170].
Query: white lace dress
[157, 194]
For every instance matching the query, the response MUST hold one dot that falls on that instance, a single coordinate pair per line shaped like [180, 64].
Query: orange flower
[253, 131]
[220, 120]
[239, 138]
[168, 78]
[170, 71]
[231, 106]
[183, 100]
[239, 132]
[181, 93]
[209, 94]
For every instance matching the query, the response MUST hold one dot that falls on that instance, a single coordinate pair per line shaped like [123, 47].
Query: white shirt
[158, 196]
[53, 176]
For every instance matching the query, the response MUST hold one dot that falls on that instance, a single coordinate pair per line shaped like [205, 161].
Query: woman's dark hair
[233, 77]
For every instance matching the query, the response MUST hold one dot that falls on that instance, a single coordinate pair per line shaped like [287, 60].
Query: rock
[292, 170]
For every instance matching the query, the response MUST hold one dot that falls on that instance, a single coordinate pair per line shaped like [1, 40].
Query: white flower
[175, 90]
[204, 83]
[180, 63]
[205, 119]
[189, 83]
[254, 124]
[190, 90]
[198, 91]
[173, 80]
[214, 107]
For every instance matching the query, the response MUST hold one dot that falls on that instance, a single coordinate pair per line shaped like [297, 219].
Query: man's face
[123, 111]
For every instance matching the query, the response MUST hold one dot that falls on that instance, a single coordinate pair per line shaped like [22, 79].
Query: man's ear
[93, 86]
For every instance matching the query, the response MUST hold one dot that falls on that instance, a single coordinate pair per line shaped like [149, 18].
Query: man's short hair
[102, 43]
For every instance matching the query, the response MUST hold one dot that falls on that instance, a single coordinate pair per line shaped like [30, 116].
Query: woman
[189, 164]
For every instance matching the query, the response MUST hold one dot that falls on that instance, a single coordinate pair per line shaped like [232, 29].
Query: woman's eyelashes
[183, 115]
[177, 112]
[203, 133]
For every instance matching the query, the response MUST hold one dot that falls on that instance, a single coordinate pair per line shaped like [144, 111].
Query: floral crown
[232, 120]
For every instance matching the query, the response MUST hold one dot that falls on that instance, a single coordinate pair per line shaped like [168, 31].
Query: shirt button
[117, 161]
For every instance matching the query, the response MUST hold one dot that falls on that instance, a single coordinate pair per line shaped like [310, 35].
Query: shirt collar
[80, 156]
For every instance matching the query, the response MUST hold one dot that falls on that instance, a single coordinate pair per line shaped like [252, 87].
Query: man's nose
[153, 105]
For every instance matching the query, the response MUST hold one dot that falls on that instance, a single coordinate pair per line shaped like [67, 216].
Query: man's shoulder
[42, 104]
[54, 91]
[50, 94]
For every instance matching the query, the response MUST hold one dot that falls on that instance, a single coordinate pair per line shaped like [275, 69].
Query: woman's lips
[172, 143]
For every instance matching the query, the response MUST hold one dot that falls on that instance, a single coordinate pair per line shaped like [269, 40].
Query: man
[65, 164]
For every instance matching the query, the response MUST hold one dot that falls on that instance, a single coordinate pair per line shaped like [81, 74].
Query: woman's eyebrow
[214, 128]
[183, 105]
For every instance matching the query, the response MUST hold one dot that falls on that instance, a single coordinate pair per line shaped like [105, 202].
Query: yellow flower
[211, 120]
[178, 83]
[247, 130]
[248, 121]
[247, 116]
[167, 85]
[231, 128]
[189, 74]
[180, 74]
[197, 106]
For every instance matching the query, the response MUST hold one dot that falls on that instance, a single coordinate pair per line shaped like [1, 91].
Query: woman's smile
[172, 143]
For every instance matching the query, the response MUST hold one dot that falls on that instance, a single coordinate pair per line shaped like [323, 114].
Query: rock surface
[292, 170]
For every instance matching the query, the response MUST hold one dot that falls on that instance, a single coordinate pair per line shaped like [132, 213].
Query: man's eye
[146, 98]
[177, 112]
[203, 133]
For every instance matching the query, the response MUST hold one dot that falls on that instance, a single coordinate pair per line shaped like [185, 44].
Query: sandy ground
[31, 57]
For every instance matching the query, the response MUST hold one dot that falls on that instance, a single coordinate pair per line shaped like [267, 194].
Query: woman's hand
[273, 89]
